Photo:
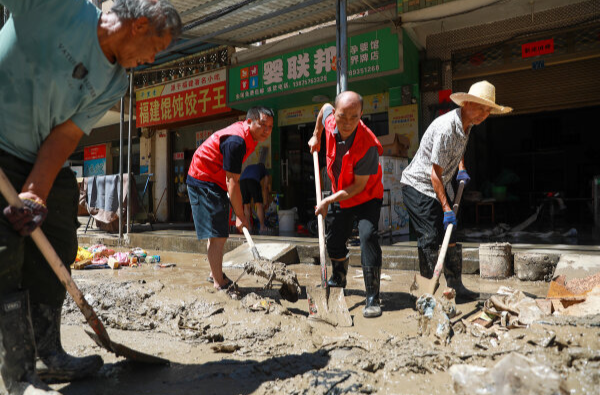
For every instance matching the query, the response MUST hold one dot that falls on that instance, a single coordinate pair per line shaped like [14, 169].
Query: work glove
[463, 176]
[449, 218]
[26, 219]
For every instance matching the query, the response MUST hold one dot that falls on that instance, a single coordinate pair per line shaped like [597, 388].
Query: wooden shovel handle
[11, 196]
[461, 187]
[255, 253]
[320, 222]
[442, 255]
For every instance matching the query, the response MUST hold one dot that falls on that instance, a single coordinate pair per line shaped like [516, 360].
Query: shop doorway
[297, 172]
[531, 160]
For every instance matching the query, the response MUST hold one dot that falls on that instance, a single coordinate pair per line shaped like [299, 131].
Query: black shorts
[251, 190]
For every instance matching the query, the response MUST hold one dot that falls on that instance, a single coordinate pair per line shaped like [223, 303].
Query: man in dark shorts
[353, 166]
[215, 173]
[255, 186]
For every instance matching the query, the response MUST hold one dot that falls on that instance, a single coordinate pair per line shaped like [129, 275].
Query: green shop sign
[368, 53]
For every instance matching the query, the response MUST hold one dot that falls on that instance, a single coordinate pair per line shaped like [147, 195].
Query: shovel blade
[123, 351]
[328, 305]
[422, 285]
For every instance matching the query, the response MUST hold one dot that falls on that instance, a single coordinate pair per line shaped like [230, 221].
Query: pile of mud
[332, 360]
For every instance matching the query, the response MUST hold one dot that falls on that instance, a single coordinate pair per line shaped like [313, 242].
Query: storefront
[297, 80]
[547, 67]
[176, 118]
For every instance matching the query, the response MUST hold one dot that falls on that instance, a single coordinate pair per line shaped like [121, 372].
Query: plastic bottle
[152, 258]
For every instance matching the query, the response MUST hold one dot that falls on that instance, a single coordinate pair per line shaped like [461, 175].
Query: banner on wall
[261, 154]
[190, 98]
[314, 66]
[306, 114]
[404, 121]
[94, 160]
[202, 135]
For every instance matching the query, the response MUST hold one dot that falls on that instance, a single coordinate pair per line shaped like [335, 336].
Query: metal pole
[343, 51]
[129, 175]
[338, 35]
[121, 168]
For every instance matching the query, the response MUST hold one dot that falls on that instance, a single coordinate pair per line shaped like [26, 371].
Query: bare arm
[461, 164]
[55, 150]
[235, 196]
[359, 184]
[315, 141]
[438, 186]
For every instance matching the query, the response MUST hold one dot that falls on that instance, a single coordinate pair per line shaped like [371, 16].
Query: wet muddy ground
[262, 344]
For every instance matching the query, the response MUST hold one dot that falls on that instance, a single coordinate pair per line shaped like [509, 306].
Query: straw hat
[481, 92]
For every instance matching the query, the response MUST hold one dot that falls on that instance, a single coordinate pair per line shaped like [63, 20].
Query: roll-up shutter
[560, 86]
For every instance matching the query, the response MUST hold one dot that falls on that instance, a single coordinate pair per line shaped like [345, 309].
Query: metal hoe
[422, 285]
[325, 303]
[101, 335]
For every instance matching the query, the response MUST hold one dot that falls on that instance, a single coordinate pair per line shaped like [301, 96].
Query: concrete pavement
[400, 255]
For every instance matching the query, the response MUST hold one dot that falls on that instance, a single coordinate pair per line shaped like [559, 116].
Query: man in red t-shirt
[214, 173]
[353, 166]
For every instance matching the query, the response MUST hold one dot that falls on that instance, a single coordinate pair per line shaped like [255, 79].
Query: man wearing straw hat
[428, 178]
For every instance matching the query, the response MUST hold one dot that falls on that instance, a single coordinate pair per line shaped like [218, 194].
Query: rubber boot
[338, 277]
[372, 277]
[17, 348]
[453, 274]
[53, 364]
[427, 261]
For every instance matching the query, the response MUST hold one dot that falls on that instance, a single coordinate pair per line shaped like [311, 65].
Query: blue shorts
[210, 209]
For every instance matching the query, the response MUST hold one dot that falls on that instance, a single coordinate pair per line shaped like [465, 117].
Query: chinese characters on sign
[537, 48]
[314, 66]
[201, 136]
[94, 160]
[191, 98]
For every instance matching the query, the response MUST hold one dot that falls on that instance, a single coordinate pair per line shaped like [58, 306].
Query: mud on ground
[262, 344]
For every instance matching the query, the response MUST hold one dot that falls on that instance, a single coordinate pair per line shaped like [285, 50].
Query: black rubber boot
[372, 277]
[338, 277]
[453, 274]
[17, 348]
[427, 260]
[53, 364]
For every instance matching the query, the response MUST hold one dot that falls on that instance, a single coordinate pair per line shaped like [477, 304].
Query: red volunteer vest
[207, 163]
[363, 140]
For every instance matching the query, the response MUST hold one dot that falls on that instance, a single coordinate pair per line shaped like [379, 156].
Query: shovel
[422, 285]
[101, 336]
[325, 303]
[290, 288]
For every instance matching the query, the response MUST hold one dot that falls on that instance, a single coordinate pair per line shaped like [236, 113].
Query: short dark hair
[163, 16]
[254, 113]
[337, 98]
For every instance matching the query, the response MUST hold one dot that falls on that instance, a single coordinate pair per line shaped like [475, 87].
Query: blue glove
[463, 176]
[449, 218]
[26, 219]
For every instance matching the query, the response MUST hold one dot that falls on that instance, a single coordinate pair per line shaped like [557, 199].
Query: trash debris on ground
[384, 277]
[253, 302]
[514, 374]
[99, 256]
[434, 318]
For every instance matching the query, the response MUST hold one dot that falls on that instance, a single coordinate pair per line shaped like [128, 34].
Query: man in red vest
[215, 172]
[353, 166]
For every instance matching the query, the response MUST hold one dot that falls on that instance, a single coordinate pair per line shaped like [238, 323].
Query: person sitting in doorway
[256, 186]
